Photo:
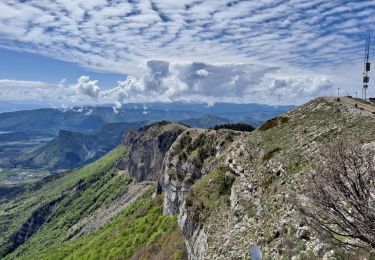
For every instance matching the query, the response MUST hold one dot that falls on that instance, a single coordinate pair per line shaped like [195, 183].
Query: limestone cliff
[148, 147]
[232, 190]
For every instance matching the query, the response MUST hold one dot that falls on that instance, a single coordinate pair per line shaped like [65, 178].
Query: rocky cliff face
[148, 147]
[194, 155]
[232, 190]
[32, 225]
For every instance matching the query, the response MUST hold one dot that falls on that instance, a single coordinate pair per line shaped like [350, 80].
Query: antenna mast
[366, 78]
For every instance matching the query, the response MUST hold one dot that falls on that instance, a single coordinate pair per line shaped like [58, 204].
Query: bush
[207, 192]
[139, 232]
[273, 122]
[340, 195]
[236, 127]
[201, 139]
[270, 154]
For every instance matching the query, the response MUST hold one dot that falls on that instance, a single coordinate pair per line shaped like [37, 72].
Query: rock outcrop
[222, 219]
[148, 147]
[32, 225]
[194, 154]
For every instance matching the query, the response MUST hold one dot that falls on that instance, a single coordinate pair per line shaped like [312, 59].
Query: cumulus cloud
[167, 81]
[202, 73]
[88, 87]
[226, 82]
[300, 88]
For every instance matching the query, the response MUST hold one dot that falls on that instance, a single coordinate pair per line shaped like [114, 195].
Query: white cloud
[240, 83]
[302, 89]
[8, 83]
[244, 45]
[202, 73]
[226, 82]
[116, 35]
[88, 87]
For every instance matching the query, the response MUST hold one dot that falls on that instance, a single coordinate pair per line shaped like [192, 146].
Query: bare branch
[339, 194]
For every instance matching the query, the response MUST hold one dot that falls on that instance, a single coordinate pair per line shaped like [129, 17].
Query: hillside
[70, 207]
[232, 190]
[72, 149]
[220, 191]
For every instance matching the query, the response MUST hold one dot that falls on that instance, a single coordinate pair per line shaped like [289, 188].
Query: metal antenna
[366, 78]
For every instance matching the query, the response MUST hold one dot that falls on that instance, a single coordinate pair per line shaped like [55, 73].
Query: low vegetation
[79, 192]
[267, 156]
[141, 231]
[236, 127]
[207, 192]
[273, 123]
[201, 148]
[340, 195]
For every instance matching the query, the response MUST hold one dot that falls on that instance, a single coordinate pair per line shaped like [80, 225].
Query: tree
[339, 195]
[236, 127]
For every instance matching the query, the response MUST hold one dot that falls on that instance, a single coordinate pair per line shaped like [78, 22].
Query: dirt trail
[360, 104]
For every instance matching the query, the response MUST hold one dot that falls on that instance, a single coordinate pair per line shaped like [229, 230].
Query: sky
[75, 52]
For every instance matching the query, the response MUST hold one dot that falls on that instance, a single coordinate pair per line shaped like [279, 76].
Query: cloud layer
[195, 49]
[197, 82]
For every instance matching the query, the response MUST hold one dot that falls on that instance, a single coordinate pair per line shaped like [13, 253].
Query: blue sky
[268, 51]
[33, 67]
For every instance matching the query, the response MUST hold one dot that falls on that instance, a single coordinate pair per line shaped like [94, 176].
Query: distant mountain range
[72, 149]
[65, 138]
[85, 119]
[205, 121]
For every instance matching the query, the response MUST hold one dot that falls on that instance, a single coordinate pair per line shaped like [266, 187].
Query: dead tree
[338, 197]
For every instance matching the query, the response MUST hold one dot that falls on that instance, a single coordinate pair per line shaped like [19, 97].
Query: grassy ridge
[84, 190]
[140, 231]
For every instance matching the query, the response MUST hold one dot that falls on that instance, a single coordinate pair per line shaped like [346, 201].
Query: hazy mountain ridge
[72, 149]
[29, 140]
[205, 121]
[84, 119]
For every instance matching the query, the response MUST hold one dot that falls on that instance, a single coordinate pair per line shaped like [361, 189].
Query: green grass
[203, 196]
[84, 190]
[267, 156]
[273, 122]
[140, 229]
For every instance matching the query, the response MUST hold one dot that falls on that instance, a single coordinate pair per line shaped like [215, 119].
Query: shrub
[340, 195]
[207, 192]
[236, 127]
[139, 232]
[270, 154]
[273, 122]
[199, 141]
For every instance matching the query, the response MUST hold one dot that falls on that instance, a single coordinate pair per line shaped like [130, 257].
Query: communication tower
[366, 77]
